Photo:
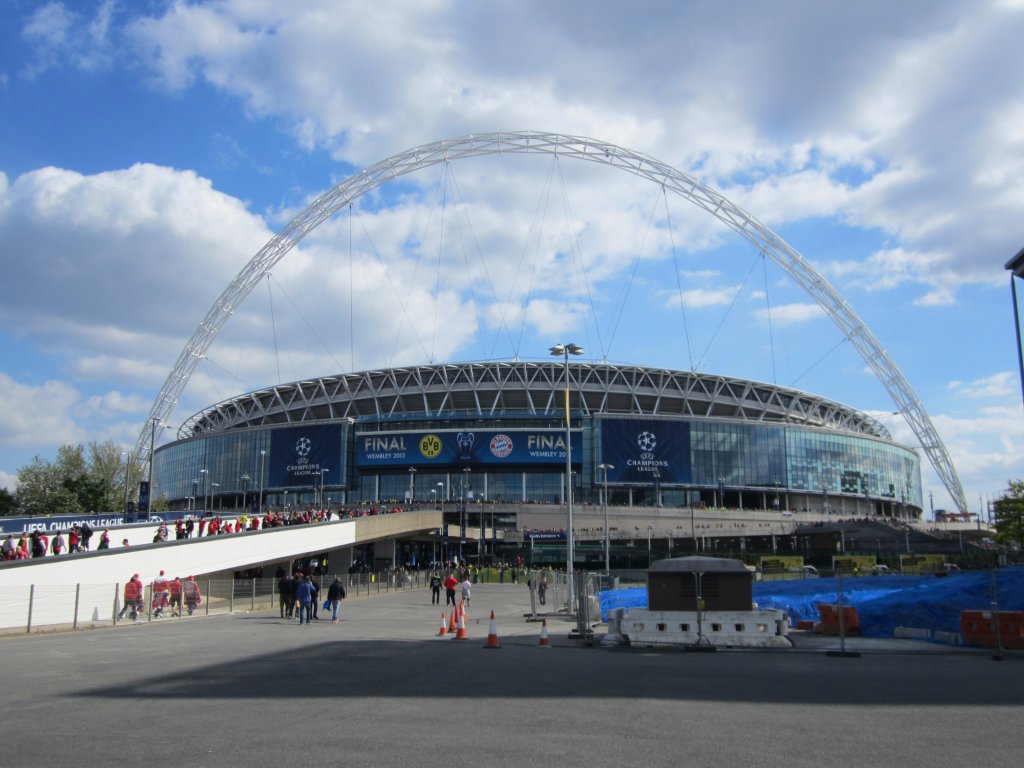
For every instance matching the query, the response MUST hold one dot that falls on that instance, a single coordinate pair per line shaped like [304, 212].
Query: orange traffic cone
[454, 619]
[545, 642]
[460, 632]
[444, 630]
[492, 634]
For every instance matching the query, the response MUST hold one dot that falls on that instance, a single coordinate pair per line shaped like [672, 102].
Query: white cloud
[58, 35]
[791, 314]
[37, 414]
[8, 481]
[1004, 385]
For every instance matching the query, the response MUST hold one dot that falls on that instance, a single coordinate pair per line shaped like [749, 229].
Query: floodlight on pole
[564, 350]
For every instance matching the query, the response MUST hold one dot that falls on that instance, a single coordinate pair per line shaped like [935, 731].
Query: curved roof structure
[526, 389]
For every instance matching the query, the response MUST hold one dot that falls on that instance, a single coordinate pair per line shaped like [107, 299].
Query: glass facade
[729, 464]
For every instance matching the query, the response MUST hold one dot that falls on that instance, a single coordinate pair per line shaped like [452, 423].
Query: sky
[148, 150]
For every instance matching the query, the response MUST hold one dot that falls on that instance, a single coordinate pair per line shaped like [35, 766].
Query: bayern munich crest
[501, 446]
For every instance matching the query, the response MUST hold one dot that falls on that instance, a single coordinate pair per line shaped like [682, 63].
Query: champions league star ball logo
[303, 446]
[646, 442]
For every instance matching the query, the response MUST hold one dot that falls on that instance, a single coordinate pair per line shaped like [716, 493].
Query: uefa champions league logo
[646, 442]
[303, 446]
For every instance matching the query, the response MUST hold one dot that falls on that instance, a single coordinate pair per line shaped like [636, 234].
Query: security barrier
[978, 629]
[830, 616]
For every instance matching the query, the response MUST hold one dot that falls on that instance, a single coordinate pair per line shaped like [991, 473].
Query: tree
[82, 479]
[8, 502]
[1009, 514]
[41, 490]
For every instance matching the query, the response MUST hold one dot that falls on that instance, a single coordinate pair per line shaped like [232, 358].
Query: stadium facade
[496, 432]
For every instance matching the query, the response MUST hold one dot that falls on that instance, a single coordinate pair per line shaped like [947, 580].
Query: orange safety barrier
[978, 629]
[829, 624]
[804, 624]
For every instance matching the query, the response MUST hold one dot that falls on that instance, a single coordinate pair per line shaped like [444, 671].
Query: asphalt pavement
[382, 689]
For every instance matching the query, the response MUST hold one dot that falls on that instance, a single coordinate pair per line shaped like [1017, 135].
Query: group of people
[37, 544]
[168, 594]
[451, 586]
[299, 596]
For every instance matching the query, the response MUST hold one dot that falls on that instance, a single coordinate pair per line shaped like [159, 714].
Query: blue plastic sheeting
[882, 602]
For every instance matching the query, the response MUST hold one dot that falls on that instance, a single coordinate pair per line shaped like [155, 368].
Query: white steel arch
[580, 148]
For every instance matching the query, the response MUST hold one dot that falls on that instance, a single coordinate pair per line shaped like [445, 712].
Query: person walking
[335, 594]
[435, 588]
[57, 545]
[304, 597]
[132, 598]
[466, 586]
[175, 601]
[285, 595]
[160, 599]
[315, 604]
[450, 585]
[193, 597]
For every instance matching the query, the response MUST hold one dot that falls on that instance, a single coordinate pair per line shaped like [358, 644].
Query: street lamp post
[650, 529]
[245, 489]
[563, 351]
[214, 493]
[322, 486]
[607, 532]
[154, 422]
[127, 472]
[412, 485]
[195, 492]
[206, 490]
[462, 512]
[263, 455]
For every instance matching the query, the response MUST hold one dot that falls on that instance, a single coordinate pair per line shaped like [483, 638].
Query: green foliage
[80, 480]
[1009, 514]
[8, 503]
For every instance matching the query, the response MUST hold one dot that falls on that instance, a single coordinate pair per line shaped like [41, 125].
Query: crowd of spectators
[38, 544]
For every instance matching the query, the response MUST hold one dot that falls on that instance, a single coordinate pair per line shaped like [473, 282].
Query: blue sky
[148, 150]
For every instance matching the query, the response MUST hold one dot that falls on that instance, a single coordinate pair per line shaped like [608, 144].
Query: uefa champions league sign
[300, 455]
[645, 450]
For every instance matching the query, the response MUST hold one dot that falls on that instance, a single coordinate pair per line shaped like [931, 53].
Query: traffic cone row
[457, 627]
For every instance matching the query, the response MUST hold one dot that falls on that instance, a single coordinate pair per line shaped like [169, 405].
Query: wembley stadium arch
[672, 180]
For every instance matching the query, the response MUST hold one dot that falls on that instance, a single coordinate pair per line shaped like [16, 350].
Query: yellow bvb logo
[430, 446]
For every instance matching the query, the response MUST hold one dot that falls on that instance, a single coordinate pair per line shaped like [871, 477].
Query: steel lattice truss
[529, 142]
[508, 389]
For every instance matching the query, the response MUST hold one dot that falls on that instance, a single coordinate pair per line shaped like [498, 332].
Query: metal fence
[37, 607]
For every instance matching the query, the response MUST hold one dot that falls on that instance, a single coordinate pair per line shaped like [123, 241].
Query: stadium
[520, 442]
[495, 432]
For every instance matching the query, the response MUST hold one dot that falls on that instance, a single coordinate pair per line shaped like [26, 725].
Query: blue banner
[467, 447]
[304, 456]
[646, 451]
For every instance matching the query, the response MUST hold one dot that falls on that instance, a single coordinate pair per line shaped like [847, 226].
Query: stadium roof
[489, 390]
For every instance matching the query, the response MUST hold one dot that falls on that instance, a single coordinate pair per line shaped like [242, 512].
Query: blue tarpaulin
[882, 602]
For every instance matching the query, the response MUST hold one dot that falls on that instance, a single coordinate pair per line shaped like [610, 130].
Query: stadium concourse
[213, 555]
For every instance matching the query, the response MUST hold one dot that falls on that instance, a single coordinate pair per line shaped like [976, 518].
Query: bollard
[231, 597]
[78, 595]
[207, 597]
[117, 592]
[253, 609]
